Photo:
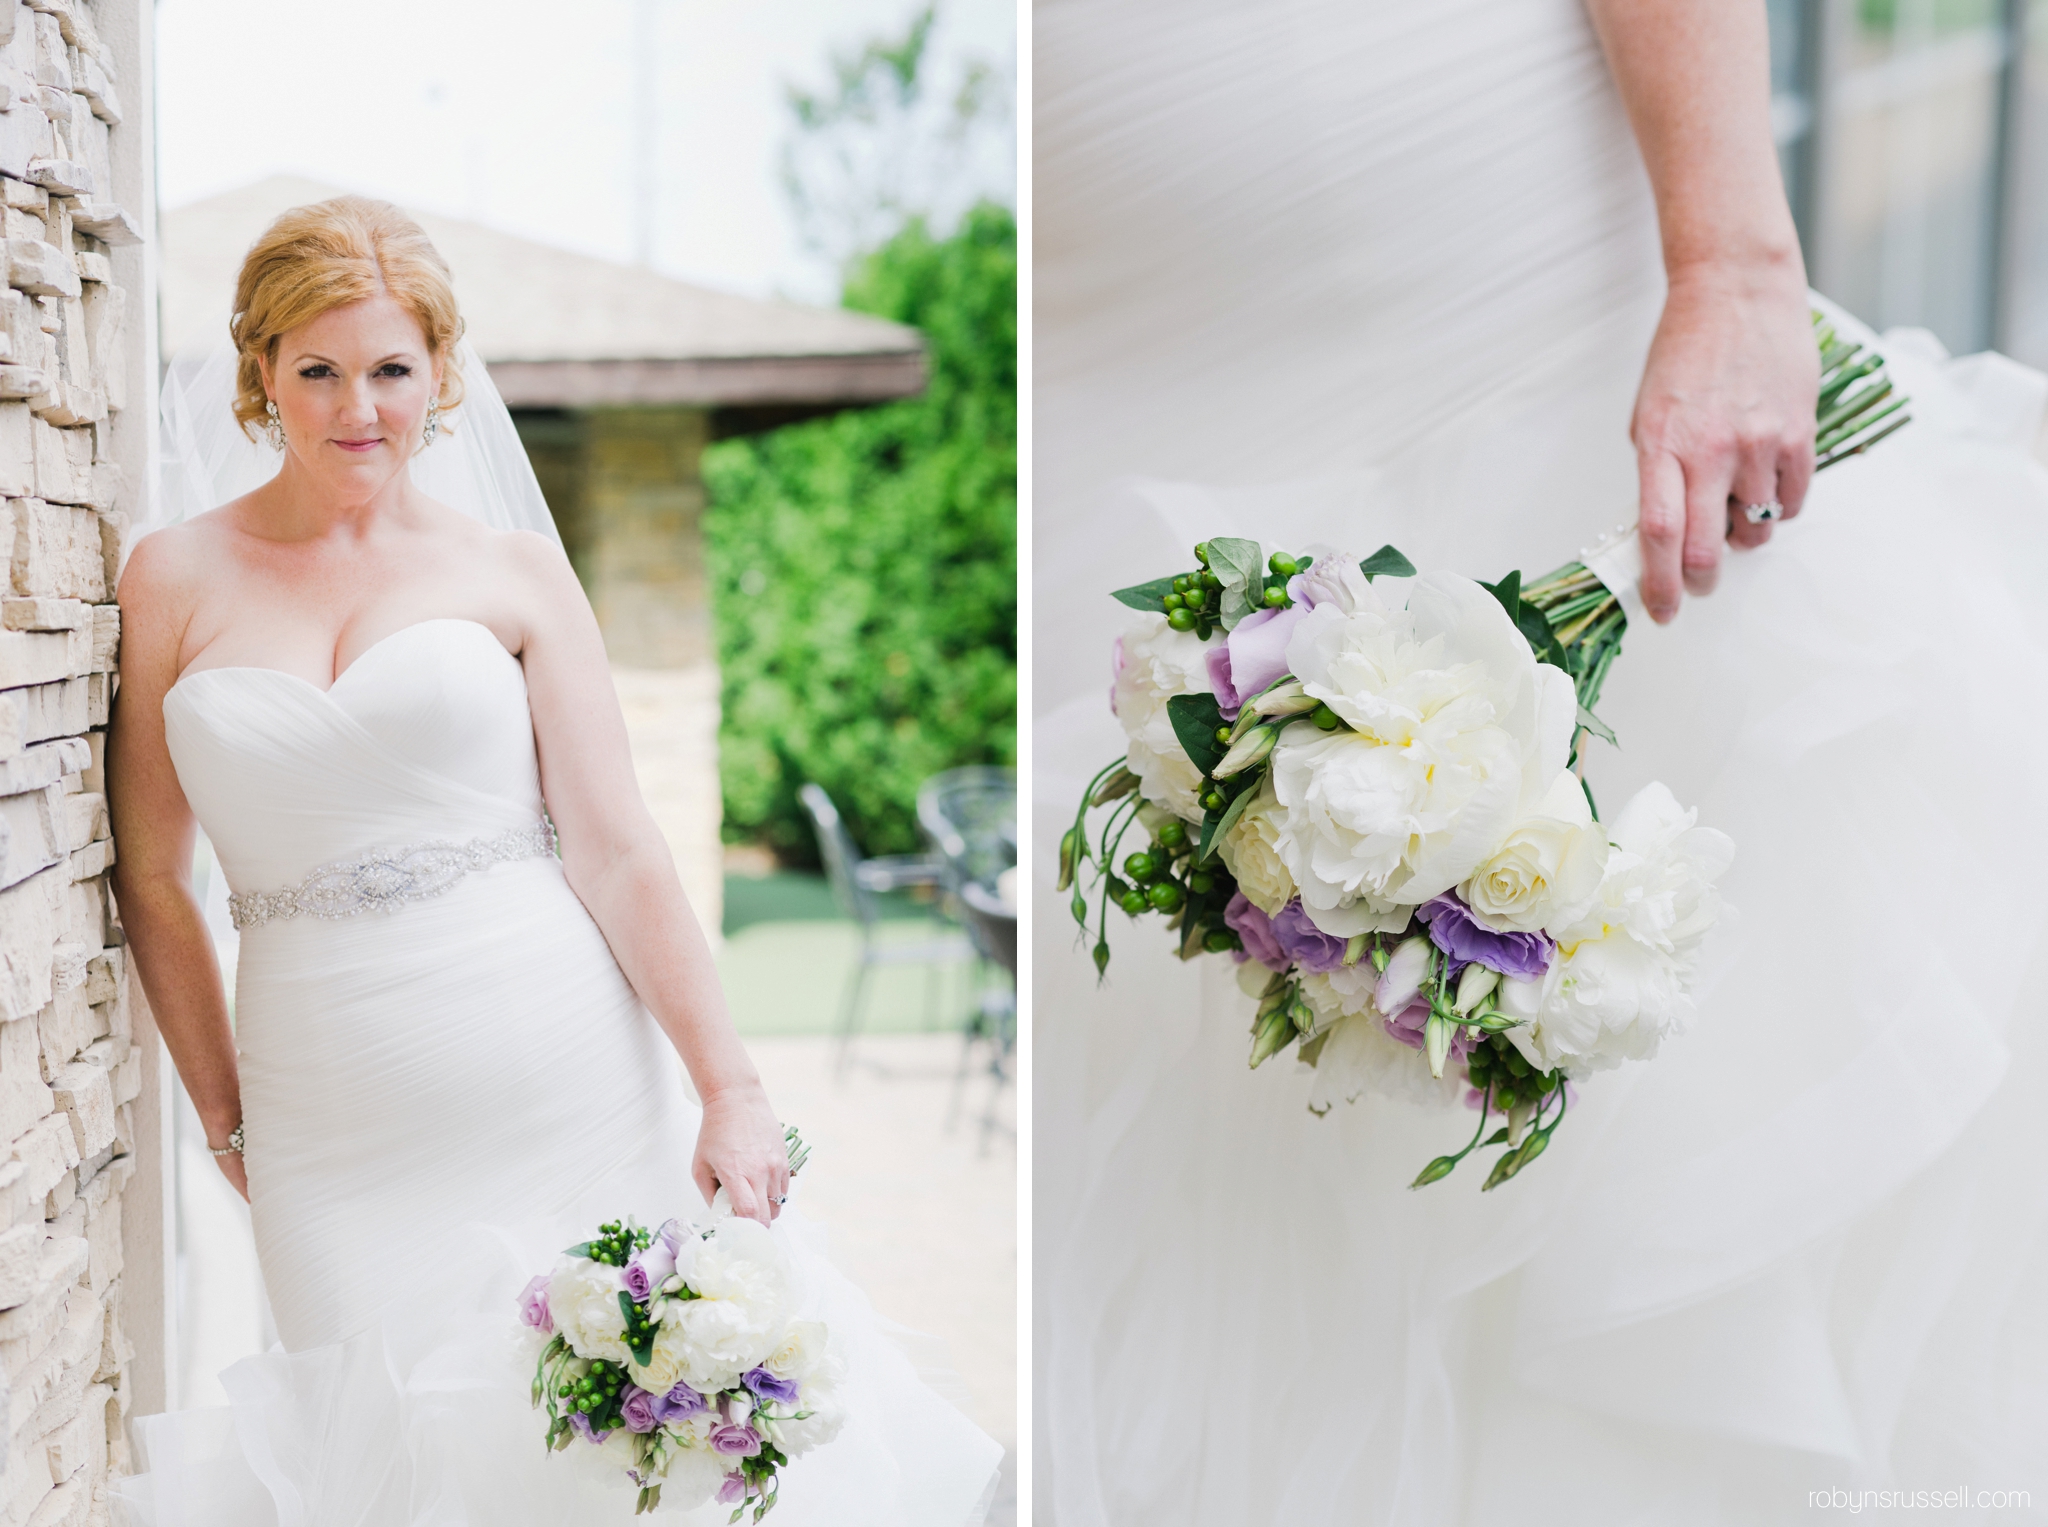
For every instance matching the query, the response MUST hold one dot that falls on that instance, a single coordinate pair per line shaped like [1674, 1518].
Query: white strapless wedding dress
[436, 1100]
[1371, 272]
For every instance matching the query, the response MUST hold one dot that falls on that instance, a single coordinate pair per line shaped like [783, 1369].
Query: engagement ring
[1764, 513]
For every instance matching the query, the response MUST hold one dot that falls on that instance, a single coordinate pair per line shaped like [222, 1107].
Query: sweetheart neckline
[355, 663]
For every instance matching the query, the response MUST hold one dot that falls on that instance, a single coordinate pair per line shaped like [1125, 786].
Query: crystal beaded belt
[384, 879]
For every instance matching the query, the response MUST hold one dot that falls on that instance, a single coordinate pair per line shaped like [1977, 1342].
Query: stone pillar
[82, 1205]
[640, 526]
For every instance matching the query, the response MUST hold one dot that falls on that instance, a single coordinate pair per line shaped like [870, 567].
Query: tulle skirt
[436, 1102]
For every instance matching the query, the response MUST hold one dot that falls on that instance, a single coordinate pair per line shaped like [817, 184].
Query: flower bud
[1436, 1171]
[1436, 1040]
[1274, 1033]
[1287, 698]
[1251, 748]
[1475, 985]
[1355, 947]
[1070, 847]
[1402, 978]
[1115, 788]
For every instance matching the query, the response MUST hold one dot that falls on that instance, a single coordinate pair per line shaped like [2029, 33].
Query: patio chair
[970, 817]
[856, 882]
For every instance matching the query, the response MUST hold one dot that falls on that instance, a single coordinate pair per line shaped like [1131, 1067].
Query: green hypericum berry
[1211, 581]
[1275, 597]
[1218, 940]
[1166, 896]
[1172, 602]
[1213, 800]
[1202, 552]
[1181, 584]
[1283, 564]
[1326, 718]
[1200, 883]
[1181, 619]
[1223, 735]
[1139, 867]
[1134, 902]
[1173, 835]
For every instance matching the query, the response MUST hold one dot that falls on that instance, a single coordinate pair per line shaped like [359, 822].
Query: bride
[446, 1064]
[1481, 278]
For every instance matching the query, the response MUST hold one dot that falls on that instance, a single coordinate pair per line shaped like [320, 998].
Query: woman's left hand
[740, 1148]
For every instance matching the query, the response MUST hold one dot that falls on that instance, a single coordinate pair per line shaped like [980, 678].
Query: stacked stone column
[70, 1068]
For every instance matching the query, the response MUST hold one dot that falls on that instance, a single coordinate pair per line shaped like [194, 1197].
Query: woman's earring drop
[433, 424]
[275, 428]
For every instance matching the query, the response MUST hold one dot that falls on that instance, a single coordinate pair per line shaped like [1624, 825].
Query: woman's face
[352, 389]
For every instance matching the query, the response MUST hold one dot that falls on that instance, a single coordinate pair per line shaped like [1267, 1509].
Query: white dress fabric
[1370, 272]
[437, 1099]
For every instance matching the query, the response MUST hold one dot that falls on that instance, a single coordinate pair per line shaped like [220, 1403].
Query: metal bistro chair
[970, 817]
[856, 882]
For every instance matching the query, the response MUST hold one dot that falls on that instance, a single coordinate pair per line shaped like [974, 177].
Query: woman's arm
[619, 865]
[160, 915]
[1725, 414]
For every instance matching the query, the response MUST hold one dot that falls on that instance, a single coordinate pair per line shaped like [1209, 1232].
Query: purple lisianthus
[1253, 657]
[581, 1422]
[1244, 919]
[733, 1491]
[1306, 944]
[1454, 930]
[648, 1268]
[768, 1387]
[735, 1441]
[1408, 1025]
[637, 1410]
[533, 1305]
[679, 1404]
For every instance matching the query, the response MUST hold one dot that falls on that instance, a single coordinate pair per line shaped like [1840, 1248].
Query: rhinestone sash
[384, 879]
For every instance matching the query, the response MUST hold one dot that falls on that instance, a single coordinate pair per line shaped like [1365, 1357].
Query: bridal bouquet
[1364, 786]
[674, 1353]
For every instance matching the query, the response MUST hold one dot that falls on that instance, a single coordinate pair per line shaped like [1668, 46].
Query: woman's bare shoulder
[165, 568]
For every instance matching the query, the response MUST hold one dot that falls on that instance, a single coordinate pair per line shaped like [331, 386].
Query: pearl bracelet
[233, 1147]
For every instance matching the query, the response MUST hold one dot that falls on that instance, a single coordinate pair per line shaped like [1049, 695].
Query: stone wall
[73, 370]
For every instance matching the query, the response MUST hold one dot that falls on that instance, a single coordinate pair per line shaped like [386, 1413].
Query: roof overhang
[713, 382]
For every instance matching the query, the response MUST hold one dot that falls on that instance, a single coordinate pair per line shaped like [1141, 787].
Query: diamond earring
[433, 427]
[275, 428]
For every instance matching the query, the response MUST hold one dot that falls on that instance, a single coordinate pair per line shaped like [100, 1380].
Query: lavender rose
[649, 1268]
[581, 1422]
[533, 1305]
[1256, 929]
[1254, 656]
[637, 1410]
[735, 1441]
[1408, 1024]
[733, 1491]
[679, 1404]
[1454, 930]
[768, 1387]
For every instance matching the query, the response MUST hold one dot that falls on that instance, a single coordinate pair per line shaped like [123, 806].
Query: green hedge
[864, 567]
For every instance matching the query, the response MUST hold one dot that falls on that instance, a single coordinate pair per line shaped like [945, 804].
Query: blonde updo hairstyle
[327, 255]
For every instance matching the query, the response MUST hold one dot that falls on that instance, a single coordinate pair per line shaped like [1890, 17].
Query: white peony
[745, 1291]
[1456, 733]
[1622, 977]
[583, 1299]
[1249, 852]
[690, 1476]
[1155, 663]
[1360, 1056]
[1547, 872]
[664, 1367]
[821, 1422]
[804, 1347]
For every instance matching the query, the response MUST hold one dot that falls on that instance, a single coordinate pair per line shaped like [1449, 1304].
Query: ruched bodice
[426, 735]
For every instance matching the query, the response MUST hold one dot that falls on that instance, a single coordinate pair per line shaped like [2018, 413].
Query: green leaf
[1241, 566]
[580, 1249]
[1215, 826]
[1529, 620]
[1196, 719]
[1498, 1137]
[1146, 596]
[1386, 562]
[1598, 728]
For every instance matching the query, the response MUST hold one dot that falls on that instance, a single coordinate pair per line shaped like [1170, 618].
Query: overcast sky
[509, 112]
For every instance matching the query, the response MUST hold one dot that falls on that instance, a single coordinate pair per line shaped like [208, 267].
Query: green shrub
[864, 566]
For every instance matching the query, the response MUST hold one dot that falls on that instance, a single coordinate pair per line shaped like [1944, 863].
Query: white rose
[664, 1367]
[1248, 851]
[1547, 872]
[583, 1299]
[1155, 663]
[1341, 993]
[1456, 733]
[1623, 974]
[802, 1349]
